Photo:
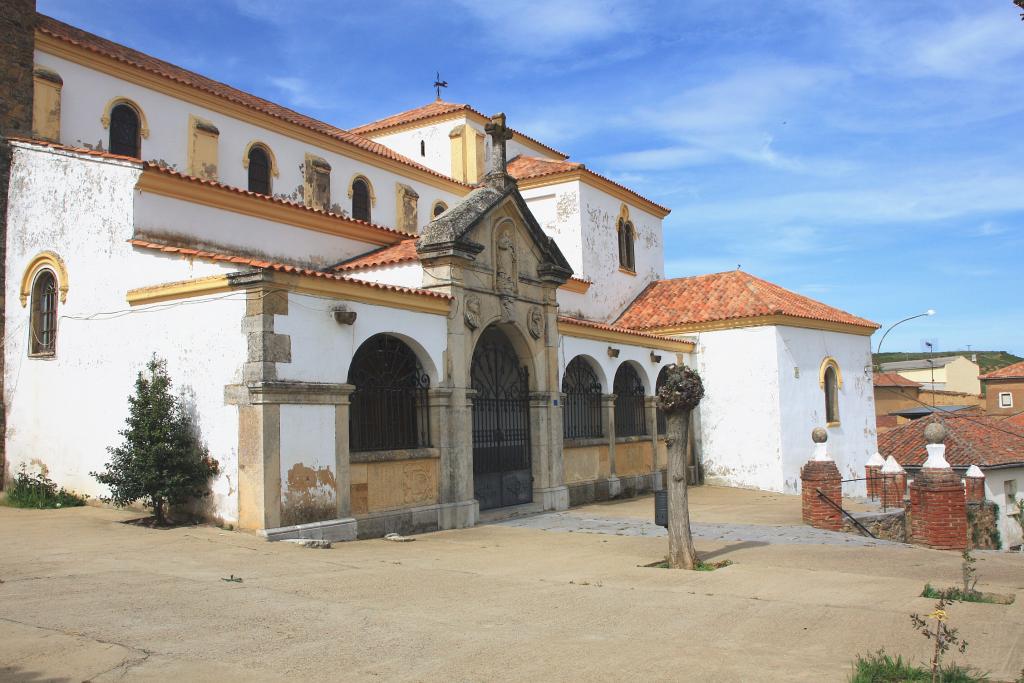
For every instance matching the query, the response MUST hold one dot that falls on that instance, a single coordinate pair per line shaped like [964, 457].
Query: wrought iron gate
[502, 470]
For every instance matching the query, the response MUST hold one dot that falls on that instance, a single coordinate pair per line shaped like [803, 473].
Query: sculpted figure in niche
[535, 323]
[472, 312]
[506, 267]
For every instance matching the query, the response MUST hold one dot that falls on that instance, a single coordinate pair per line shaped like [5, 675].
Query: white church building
[387, 328]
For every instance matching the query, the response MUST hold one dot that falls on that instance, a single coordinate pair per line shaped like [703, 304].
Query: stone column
[342, 460]
[821, 474]
[975, 484]
[871, 472]
[608, 404]
[892, 484]
[651, 411]
[938, 502]
[549, 487]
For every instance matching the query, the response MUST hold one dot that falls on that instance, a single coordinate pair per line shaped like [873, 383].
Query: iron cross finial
[438, 84]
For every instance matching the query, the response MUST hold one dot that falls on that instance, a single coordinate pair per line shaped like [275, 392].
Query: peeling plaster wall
[401, 275]
[86, 93]
[853, 440]
[570, 347]
[66, 410]
[557, 210]
[321, 349]
[1009, 529]
[309, 491]
[182, 222]
[740, 417]
[438, 144]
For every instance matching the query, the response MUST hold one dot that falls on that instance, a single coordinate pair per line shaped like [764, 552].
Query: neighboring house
[949, 373]
[894, 392]
[385, 328]
[1004, 390]
[775, 365]
[991, 443]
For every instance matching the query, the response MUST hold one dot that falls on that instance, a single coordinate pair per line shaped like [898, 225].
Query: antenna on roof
[438, 84]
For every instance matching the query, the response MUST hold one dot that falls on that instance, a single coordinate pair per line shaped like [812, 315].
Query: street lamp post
[929, 312]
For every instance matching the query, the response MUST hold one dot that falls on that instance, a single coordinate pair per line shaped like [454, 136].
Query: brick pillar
[938, 503]
[821, 473]
[975, 484]
[892, 484]
[871, 471]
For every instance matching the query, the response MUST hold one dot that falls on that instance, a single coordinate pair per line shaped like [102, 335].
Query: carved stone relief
[535, 322]
[506, 272]
[472, 312]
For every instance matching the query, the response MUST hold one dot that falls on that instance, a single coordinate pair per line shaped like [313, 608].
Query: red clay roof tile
[893, 379]
[733, 295]
[403, 252]
[975, 439]
[1015, 371]
[613, 328]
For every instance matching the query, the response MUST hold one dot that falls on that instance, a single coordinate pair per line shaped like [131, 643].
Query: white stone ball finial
[935, 434]
[819, 436]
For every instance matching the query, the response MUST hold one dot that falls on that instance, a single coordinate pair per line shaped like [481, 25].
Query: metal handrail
[851, 517]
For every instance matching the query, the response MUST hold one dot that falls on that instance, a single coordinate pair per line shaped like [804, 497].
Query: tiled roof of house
[733, 295]
[892, 379]
[403, 252]
[126, 55]
[264, 264]
[971, 439]
[1017, 419]
[431, 110]
[1015, 371]
[613, 328]
[523, 167]
[919, 364]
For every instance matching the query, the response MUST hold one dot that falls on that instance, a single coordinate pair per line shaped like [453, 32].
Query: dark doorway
[502, 468]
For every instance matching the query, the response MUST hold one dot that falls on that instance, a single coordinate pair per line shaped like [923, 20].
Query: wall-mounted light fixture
[655, 358]
[613, 352]
[343, 316]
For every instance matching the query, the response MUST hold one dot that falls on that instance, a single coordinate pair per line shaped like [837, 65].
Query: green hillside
[987, 360]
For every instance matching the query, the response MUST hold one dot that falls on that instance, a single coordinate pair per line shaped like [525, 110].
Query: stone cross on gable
[497, 174]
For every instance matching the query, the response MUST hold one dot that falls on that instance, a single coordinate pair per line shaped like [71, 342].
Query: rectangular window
[202, 152]
[1005, 399]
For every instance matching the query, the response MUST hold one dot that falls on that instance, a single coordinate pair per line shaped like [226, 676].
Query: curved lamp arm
[929, 312]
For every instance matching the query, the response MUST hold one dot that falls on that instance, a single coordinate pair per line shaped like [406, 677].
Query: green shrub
[30, 490]
[879, 667]
[954, 593]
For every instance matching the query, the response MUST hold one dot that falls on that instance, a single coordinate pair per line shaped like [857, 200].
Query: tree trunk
[681, 554]
[158, 512]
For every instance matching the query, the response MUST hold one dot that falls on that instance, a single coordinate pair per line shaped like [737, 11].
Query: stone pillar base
[327, 530]
[938, 510]
[614, 487]
[824, 475]
[552, 498]
[462, 515]
[658, 480]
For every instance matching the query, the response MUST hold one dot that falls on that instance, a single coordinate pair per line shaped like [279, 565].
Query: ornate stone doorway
[502, 467]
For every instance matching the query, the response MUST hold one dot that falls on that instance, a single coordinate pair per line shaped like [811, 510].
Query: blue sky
[867, 154]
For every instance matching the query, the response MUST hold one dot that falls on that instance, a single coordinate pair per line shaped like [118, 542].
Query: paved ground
[87, 598]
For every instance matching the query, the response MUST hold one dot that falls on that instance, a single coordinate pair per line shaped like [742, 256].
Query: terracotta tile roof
[396, 234]
[733, 295]
[892, 379]
[1017, 420]
[264, 264]
[403, 252]
[972, 439]
[523, 167]
[1015, 371]
[77, 150]
[431, 110]
[125, 55]
[613, 328]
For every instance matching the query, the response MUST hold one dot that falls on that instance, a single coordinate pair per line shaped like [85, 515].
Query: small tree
[161, 461]
[944, 635]
[677, 397]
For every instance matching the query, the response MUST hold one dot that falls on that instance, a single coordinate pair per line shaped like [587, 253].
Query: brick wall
[824, 475]
[938, 510]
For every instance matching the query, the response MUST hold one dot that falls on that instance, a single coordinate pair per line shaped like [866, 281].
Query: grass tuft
[880, 667]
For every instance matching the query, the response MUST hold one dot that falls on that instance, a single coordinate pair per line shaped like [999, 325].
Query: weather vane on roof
[438, 84]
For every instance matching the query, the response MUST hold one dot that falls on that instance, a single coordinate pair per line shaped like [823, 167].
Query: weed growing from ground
[30, 490]
[880, 667]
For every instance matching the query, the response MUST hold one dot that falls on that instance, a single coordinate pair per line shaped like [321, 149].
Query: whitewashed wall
[557, 209]
[740, 414]
[86, 93]
[438, 145]
[1009, 529]
[597, 352]
[802, 402]
[400, 275]
[64, 412]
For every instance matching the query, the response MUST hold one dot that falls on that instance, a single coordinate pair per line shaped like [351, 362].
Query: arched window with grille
[626, 233]
[388, 409]
[43, 315]
[125, 131]
[662, 423]
[259, 170]
[581, 411]
[361, 199]
[630, 409]
[831, 387]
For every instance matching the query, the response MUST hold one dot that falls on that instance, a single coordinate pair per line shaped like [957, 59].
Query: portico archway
[502, 463]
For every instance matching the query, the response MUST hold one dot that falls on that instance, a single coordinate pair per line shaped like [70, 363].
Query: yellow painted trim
[46, 260]
[167, 185]
[373, 194]
[569, 329]
[143, 124]
[266, 148]
[577, 286]
[599, 183]
[433, 208]
[353, 291]
[133, 74]
[627, 271]
[761, 321]
[196, 132]
[184, 289]
[830, 362]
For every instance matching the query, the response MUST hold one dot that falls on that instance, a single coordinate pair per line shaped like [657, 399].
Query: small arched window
[439, 208]
[626, 234]
[831, 395]
[423, 148]
[361, 200]
[581, 412]
[125, 131]
[259, 170]
[43, 315]
[630, 405]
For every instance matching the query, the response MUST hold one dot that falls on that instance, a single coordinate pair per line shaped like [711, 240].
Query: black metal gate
[502, 470]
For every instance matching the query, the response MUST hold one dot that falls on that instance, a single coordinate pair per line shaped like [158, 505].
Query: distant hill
[987, 360]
